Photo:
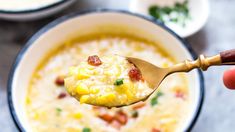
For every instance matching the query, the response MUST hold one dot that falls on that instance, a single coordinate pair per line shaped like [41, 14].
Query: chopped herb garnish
[58, 111]
[135, 114]
[154, 100]
[178, 14]
[86, 129]
[159, 94]
[119, 82]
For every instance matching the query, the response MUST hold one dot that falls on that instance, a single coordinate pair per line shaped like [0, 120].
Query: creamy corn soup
[50, 108]
[107, 81]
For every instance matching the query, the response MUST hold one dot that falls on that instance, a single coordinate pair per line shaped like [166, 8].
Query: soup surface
[50, 108]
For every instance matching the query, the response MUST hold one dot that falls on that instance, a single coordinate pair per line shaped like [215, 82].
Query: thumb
[229, 78]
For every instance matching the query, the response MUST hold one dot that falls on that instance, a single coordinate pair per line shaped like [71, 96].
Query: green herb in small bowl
[179, 13]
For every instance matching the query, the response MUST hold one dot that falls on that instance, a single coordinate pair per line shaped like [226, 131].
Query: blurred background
[218, 34]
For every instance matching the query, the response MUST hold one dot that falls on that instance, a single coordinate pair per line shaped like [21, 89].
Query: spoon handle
[224, 58]
[228, 57]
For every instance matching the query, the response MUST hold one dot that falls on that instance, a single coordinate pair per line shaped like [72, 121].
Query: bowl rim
[80, 13]
[34, 10]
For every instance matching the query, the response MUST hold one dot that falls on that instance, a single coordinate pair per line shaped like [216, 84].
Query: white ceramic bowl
[199, 11]
[70, 25]
[33, 13]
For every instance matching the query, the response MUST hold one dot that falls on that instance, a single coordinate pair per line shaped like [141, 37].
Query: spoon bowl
[154, 75]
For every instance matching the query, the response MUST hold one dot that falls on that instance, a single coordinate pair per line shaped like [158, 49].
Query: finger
[229, 78]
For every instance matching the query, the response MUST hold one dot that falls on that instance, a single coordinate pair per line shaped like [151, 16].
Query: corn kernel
[77, 115]
[110, 96]
[95, 72]
[106, 98]
[120, 89]
[82, 74]
[28, 101]
[124, 87]
[36, 115]
[82, 89]
[90, 67]
[95, 90]
[129, 94]
[84, 98]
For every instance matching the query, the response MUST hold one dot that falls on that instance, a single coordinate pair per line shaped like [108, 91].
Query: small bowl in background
[198, 10]
[33, 11]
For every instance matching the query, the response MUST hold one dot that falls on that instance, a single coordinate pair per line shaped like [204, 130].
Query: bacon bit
[155, 130]
[100, 110]
[116, 124]
[121, 117]
[62, 95]
[138, 105]
[135, 74]
[106, 117]
[94, 60]
[180, 94]
[59, 81]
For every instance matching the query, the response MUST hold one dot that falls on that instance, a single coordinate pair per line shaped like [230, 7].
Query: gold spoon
[155, 75]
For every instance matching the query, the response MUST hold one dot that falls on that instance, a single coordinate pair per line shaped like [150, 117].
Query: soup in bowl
[39, 101]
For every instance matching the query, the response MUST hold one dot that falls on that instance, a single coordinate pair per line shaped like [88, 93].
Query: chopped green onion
[135, 114]
[86, 129]
[154, 100]
[58, 111]
[119, 82]
[159, 94]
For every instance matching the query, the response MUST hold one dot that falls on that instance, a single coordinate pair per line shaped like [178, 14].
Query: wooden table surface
[218, 34]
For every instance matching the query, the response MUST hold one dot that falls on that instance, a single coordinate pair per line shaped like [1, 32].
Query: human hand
[229, 78]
